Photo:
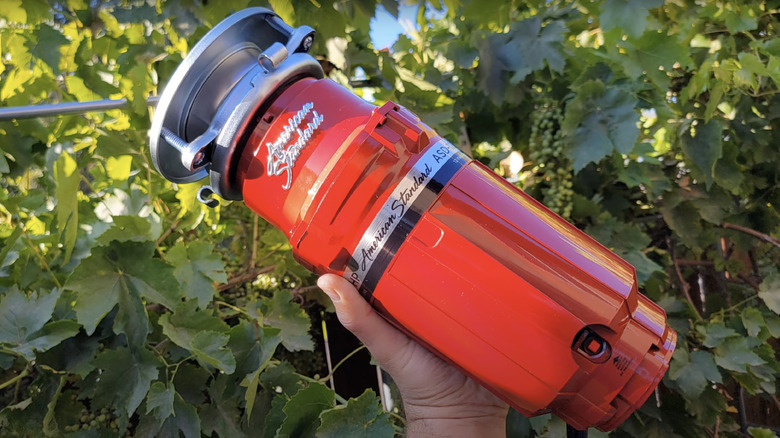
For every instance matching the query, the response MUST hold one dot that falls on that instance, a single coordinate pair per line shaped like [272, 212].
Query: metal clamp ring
[214, 94]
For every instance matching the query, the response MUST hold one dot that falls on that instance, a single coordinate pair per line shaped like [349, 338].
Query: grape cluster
[551, 167]
[102, 419]
[242, 293]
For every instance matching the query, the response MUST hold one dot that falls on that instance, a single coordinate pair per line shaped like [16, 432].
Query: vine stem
[9, 352]
[339, 398]
[765, 237]
[168, 232]
[397, 417]
[683, 284]
[745, 301]
[684, 262]
[230, 306]
[355, 351]
[49, 424]
[751, 282]
[18, 378]
[41, 258]
[244, 277]
[176, 367]
[717, 425]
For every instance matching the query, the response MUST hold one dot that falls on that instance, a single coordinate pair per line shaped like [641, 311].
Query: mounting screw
[204, 196]
[307, 43]
[200, 157]
[192, 154]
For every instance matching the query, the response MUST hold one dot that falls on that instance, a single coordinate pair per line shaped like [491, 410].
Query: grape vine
[551, 168]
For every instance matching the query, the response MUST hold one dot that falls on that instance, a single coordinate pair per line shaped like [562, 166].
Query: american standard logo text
[281, 154]
[402, 199]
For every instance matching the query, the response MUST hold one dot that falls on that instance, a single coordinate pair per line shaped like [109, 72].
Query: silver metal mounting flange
[215, 94]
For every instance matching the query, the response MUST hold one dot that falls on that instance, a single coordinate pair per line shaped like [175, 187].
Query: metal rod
[56, 109]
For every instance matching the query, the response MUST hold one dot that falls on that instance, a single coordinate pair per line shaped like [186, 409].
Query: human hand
[438, 399]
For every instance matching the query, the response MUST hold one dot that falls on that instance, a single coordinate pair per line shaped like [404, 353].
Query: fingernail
[332, 294]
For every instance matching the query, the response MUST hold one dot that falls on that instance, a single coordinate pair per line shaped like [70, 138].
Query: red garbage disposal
[459, 259]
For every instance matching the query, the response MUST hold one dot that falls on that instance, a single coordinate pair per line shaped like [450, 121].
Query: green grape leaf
[629, 242]
[772, 325]
[741, 20]
[253, 349]
[530, 46]
[302, 411]
[118, 168]
[24, 326]
[285, 10]
[773, 68]
[330, 22]
[540, 422]
[693, 372]
[275, 416]
[715, 333]
[288, 317]
[52, 334]
[192, 211]
[490, 68]
[486, 11]
[185, 418]
[751, 72]
[125, 378]
[643, 265]
[13, 11]
[15, 80]
[600, 120]
[281, 378]
[760, 432]
[734, 354]
[210, 347]
[67, 177]
[682, 217]
[769, 291]
[628, 15]
[730, 173]
[203, 334]
[24, 315]
[653, 55]
[703, 146]
[753, 321]
[121, 274]
[216, 11]
[79, 89]
[140, 81]
[38, 11]
[222, 414]
[6, 361]
[4, 167]
[128, 229]
[159, 400]
[197, 268]
[647, 174]
[47, 46]
[187, 321]
[360, 417]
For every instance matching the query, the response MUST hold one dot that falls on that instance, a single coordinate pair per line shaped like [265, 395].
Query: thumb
[385, 342]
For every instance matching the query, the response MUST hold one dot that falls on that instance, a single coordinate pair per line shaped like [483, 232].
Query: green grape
[551, 168]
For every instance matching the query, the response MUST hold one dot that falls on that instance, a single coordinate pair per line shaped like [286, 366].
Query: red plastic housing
[464, 262]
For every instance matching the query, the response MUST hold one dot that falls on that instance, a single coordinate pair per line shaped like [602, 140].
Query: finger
[388, 345]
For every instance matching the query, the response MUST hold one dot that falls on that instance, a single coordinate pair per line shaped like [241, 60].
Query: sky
[385, 29]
